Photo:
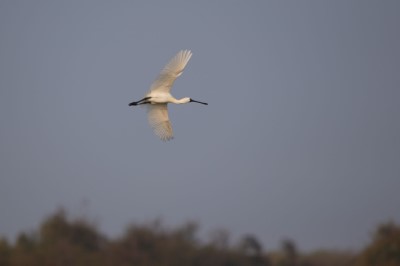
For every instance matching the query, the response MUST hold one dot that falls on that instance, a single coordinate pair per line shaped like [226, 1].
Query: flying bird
[158, 97]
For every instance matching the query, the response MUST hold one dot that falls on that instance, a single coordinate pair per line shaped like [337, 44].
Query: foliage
[63, 241]
[384, 249]
[329, 258]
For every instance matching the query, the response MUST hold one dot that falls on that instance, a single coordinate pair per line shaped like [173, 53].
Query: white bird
[159, 96]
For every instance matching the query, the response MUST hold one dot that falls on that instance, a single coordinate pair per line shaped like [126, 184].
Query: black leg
[139, 102]
[145, 102]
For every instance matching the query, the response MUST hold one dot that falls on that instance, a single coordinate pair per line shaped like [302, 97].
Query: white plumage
[159, 95]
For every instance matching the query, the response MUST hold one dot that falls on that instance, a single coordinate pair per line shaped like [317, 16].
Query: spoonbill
[158, 97]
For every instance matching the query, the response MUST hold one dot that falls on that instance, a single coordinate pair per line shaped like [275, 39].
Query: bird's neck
[181, 101]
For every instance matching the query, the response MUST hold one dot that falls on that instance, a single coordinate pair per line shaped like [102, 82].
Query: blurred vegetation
[63, 241]
[384, 249]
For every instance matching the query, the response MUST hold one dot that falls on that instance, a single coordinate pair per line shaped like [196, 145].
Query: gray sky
[301, 138]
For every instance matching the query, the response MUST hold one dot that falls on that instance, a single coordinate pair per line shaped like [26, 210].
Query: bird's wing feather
[157, 115]
[171, 71]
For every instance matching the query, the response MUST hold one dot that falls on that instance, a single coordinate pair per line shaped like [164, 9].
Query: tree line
[60, 241]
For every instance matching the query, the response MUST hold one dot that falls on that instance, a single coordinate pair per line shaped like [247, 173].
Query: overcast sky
[300, 140]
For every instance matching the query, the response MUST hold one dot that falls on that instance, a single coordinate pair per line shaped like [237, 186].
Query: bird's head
[185, 100]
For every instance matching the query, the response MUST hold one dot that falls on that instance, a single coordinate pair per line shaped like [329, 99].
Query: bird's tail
[133, 104]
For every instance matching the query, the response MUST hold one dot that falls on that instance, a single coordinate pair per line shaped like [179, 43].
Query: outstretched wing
[157, 115]
[171, 71]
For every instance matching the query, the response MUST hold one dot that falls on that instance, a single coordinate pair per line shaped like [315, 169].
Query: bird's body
[159, 96]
